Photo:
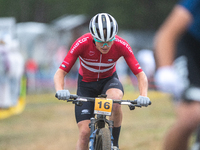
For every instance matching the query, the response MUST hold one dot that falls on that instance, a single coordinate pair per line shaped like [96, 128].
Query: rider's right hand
[63, 94]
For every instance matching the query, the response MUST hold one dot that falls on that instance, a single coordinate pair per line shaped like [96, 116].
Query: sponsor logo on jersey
[91, 53]
[78, 43]
[125, 44]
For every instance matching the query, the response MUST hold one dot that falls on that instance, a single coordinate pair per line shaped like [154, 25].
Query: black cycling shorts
[188, 61]
[93, 89]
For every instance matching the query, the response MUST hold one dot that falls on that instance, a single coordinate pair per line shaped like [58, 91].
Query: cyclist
[98, 52]
[177, 51]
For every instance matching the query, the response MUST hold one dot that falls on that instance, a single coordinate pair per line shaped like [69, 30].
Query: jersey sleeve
[129, 57]
[72, 56]
[133, 63]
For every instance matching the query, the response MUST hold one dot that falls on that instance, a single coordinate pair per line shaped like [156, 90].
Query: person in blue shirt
[177, 53]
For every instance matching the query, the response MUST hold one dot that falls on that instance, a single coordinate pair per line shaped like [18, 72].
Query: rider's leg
[188, 119]
[116, 116]
[116, 133]
[84, 134]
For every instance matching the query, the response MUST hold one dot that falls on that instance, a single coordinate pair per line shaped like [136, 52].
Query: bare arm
[59, 79]
[167, 36]
[142, 83]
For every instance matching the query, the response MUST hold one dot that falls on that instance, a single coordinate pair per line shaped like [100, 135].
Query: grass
[49, 124]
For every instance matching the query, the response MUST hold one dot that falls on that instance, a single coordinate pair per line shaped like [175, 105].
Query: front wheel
[103, 139]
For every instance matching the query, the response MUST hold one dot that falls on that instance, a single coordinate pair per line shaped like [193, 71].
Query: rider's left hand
[143, 101]
[63, 94]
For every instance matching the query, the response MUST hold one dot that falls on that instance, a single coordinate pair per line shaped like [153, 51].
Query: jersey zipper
[99, 67]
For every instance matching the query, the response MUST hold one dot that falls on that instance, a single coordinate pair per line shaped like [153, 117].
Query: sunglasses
[104, 42]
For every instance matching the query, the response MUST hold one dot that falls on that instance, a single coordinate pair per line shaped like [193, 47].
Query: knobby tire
[103, 139]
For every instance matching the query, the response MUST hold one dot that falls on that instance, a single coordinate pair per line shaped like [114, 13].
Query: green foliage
[130, 14]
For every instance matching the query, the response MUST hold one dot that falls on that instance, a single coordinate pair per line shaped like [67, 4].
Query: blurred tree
[130, 14]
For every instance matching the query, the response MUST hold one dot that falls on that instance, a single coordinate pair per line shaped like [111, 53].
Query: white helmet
[101, 22]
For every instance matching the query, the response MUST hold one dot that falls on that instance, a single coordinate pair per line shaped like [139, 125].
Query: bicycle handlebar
[78, 99]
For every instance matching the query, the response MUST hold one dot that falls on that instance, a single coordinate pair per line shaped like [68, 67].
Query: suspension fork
[111, 125]
[101, 124]
[92, 133]
[100, 121]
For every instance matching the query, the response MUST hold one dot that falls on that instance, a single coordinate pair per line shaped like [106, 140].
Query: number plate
[103, 106]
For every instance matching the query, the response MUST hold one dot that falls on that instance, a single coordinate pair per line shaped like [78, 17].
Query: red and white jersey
[93, 64]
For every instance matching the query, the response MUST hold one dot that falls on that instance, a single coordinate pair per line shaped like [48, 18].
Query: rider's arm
[67, 64]
[133, 64]
[142, 83]
[167, 36]
[59, 79]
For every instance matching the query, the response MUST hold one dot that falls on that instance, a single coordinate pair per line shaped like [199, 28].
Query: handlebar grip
[73, 96]
[135, 102]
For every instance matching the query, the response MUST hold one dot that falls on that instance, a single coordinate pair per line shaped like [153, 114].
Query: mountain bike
[100, 127]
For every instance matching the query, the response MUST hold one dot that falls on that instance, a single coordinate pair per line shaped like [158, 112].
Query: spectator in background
[60, 55]
[146, 60]
[122, 70]
[16, 70]
[177, 51]
[5, 100]
[31, 69]
[73, 74]
[11, 72]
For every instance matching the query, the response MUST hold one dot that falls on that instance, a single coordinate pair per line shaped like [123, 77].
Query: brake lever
[137, 105]
[131, 107]
[77, 103]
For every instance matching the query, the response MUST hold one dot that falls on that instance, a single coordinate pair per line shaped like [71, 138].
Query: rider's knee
[116, 107]
[84, 130]
[114, 93]
[84, 135]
